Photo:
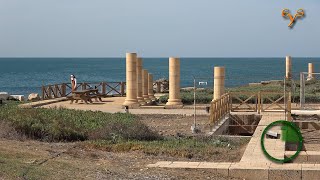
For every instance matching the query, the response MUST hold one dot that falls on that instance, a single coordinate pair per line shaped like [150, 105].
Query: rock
[187, 89]
[17, 97]
[34, 97]
[255, 84]
[10, 98]
[164, 85]
[265, 82]
[191, 89]
[4, 95]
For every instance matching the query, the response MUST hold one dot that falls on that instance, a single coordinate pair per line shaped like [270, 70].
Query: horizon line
[69, 57]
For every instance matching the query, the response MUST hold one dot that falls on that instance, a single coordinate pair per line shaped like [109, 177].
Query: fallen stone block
[17, 97]
[34, 97]
[4, 95]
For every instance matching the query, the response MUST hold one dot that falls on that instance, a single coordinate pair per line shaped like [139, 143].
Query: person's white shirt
[73, 82]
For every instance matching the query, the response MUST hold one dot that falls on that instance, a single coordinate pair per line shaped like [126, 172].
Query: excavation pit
[309, 126]
[238, 125]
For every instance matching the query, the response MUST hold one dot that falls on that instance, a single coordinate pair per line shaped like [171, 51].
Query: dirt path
[38, 160]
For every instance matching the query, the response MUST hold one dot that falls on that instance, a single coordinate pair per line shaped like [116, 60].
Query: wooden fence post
[230, 94]
[49, 92]
[104, 88]
[122, 88]
[289, 107]
[43, 92]
[84, 86]
[55, 94]
[259, 102]
[64, 89]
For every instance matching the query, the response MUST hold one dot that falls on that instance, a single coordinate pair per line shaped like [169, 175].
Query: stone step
[151, 107]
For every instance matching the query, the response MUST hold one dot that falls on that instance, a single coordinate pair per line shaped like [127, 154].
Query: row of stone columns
[139, 82]
[289, 69]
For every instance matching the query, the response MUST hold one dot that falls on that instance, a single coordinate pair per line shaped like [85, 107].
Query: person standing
[73, 82]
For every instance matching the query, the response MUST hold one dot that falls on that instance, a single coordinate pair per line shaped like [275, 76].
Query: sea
[27, 75]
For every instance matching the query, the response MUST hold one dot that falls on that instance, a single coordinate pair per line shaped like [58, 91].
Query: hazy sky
[157, 28]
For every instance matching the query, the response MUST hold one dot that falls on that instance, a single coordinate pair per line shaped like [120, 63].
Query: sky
[157, 28]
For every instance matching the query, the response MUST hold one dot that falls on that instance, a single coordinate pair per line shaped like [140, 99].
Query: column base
[146, 98]
[131, 103]
[141, 101]
[152, 97]
[174, 104]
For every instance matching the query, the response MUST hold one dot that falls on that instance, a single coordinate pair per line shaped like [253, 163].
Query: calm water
[26, 75]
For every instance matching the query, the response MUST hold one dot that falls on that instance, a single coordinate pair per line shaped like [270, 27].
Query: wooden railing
[64, 89]
[273, 101]
[244, 101]
[261, 101]
[219, 108]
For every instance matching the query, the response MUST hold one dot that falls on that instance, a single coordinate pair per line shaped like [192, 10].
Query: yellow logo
[286, 14]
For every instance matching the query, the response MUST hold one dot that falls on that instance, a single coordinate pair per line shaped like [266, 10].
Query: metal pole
[302, 98]
[284, 99]
[194, 102]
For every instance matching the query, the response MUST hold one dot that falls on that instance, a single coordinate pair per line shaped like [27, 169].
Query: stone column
[131, 78]
[218, 84]
[145, 85]
[310, 70]
[139, 81]
[174, 100]
[150, 87]
[288, 67]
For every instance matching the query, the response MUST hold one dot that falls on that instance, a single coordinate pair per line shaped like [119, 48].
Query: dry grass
[203, 148]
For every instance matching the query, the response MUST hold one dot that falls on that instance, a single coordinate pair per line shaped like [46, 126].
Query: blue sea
[27, 75]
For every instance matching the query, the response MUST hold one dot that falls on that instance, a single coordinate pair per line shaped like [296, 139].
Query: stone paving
[254, 164]
[114, 105]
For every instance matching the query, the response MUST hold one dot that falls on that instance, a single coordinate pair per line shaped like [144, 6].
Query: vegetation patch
[204, 96]
[72, 125]
[202, 148]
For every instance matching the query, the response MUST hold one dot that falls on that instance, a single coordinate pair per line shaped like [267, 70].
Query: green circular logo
[290, 133]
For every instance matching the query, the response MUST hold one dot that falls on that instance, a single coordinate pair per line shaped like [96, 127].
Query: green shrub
[72, 125]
